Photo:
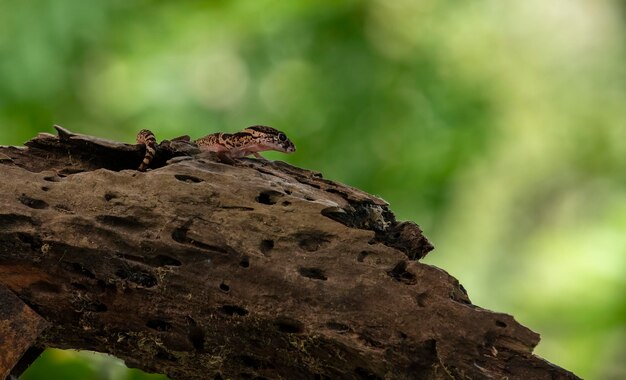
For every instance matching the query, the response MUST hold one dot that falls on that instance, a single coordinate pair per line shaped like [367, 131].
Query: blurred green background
[499, 127]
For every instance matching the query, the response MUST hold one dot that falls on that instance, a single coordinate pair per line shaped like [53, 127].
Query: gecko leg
[260, 158]
[225, 158]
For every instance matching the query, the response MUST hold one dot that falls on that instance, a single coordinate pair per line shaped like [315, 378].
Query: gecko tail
[147, 138]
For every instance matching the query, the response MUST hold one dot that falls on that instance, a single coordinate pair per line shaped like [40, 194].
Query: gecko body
[228, 146]
[252, 140]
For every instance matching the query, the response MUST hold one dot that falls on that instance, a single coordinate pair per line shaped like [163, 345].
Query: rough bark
[203, 270]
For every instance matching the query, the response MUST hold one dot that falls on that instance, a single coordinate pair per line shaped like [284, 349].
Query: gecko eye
[282, 137]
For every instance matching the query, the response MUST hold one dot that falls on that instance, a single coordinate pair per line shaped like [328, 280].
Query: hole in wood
[45, 287]
[268, 197]
[196, 337]
[266, 246]
[233, 310]
[245, 262]
[159, 325]
[96, 307]
[9, 220]
[34, 242]
[164, 355]
[109, 196]
[364, 374]
[163, 260]
[314, 273]
[500, 324]
[32, 202]
[45, 188]
[250, 362]
[225, 288]
[400, 274]
[338, 214]
[289, 325]
[188, 178]
[421, 299]
[130, 222]
[240, 208]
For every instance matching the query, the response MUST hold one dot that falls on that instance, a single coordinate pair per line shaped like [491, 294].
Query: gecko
[228, 146]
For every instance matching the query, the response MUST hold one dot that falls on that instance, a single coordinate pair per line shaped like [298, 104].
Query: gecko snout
[289, 147]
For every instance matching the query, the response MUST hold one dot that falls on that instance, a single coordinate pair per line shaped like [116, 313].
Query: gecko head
[284, 143]
[271, 139]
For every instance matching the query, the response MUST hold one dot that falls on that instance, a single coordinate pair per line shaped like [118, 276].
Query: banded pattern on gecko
[147, 138]
[252, 140]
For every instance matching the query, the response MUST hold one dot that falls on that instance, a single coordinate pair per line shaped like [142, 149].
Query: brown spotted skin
[252, 140]
[147, 138]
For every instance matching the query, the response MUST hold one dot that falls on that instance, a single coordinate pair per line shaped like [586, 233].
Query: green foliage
[497, 126]
[57, 364]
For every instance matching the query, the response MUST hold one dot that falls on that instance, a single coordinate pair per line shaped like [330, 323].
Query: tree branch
[202, 270]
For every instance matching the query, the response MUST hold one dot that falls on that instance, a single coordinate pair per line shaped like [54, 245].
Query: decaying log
[205, 270]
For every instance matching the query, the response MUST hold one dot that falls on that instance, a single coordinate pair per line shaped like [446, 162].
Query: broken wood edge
[20, 328]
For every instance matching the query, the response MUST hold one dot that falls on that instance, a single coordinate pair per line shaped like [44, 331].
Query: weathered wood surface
[20, 327]
[203, 270]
